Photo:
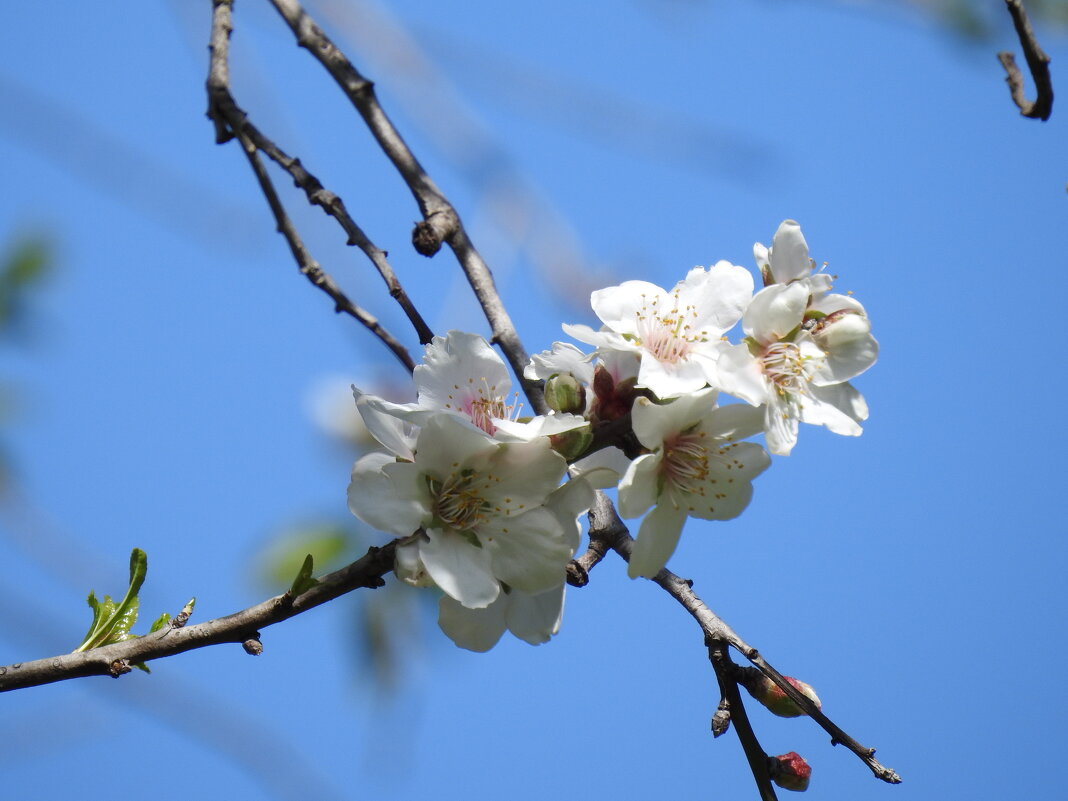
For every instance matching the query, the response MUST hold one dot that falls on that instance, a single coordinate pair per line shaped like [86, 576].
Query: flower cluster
[474, 488]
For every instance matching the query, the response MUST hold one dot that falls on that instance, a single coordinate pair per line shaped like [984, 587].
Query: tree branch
[230, 122]
[440, 223]
[605, 523]
[719, 656]
[240, 627]
[1037, 63]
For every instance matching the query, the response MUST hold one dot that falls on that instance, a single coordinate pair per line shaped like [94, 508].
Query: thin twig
[605, 522]
[1037, 63]
[230, 122]
[719, 656]
[440, 223]
[114, 660]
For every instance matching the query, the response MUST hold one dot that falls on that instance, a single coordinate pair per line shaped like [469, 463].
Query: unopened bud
[840, 329]
[565, 393]
[613, 400]
[790, 771]
[772, 696]
[572, 444]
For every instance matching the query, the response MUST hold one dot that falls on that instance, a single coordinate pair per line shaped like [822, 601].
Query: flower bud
[841, 329]
[771, 695]
[790, 771]
[572, 444]
[565, 393]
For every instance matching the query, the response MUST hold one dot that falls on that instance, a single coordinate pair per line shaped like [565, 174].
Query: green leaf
[304, 580]
[111, 622]
[160, 622]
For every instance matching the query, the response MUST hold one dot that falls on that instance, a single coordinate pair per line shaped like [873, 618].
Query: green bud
[572, 444]
[565, 393]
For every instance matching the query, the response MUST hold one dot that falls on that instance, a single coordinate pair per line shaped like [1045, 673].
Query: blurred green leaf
[304, 580]
[285, 558]
[160, 622]
[26, 263]
[22, 267]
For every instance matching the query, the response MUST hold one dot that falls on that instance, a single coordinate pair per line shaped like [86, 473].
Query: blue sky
[913, 575]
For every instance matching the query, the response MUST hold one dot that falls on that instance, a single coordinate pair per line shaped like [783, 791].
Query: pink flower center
[668, 334]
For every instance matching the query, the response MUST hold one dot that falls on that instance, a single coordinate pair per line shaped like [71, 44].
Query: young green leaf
[304, 581]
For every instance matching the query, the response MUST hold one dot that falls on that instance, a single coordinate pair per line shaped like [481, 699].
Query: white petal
[567, 503]
[734, 422]
[639, 487]
[461, 569]
[849, 347]
[669, 380]
[738, 373]
[447, 443]
[388, 428]
[780, 424]
[388, 495]
[728, 488]
[789, 253]
[657, 538]
[835, 420]
[544, 425]
[718, 295]
[602, 469]
[760, 256]
[408, 565]
[619, 306]
[518, 476]
[605, 339]
[829, 304]
[845, 398]
[655, 422]
[775, 311]
[528, 552]
[535, 618]
[473, 629]
[563, 358]
[457, 368]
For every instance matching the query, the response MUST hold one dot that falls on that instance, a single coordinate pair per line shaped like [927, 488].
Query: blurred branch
[141, 182]
[440, 224]
[240, 627]
[606, 525]
[1037, 63]
[230, 122]
[437, 108]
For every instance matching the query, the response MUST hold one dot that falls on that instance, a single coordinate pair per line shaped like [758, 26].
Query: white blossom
[676, 334]
[474, 507]
[802, 346]
[696, 467]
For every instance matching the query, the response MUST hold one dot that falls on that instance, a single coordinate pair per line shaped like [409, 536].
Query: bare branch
[719, 656]
[440, 223]
[240, 627]
[1037, 63]
[230, 122]
[605, 523]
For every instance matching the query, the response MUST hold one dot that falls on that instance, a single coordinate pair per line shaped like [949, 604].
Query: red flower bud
[772, 696]
[790, 771]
